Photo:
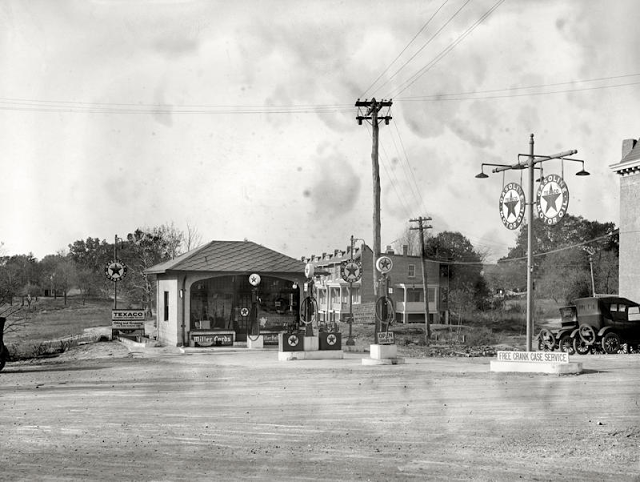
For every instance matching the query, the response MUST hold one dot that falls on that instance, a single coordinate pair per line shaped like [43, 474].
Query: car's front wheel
[566, 344]
[610, 343]
[580, 346]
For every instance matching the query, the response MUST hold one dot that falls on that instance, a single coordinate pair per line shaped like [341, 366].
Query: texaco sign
[553, 199]
[512, 205]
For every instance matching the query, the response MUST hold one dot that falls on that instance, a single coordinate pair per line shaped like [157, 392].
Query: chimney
[405, 249]
[627, 146]
[390, 250]
[313, 257]
[335, 252]
[324, 255]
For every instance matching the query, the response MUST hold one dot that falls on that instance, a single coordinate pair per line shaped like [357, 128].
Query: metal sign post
[551, 214]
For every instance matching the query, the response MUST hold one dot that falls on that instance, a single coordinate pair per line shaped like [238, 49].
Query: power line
[411, 174]
[129, 108]
[405, 48]
[423, 46]
[439, 98]
[507, 89]
[408, 83]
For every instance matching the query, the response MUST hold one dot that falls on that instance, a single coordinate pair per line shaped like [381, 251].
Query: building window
[432, 295]
[355, 296]
[166, 306]
[414, 295]
[344, 295]
[335, 298]
[322, 297]
[412, 271]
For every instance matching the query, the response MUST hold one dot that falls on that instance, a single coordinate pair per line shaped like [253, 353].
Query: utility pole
[422, 225]
[369, 110]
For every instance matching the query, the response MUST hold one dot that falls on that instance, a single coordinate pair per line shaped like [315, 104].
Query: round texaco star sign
[553, 199]
[115, 270]
[512, 205]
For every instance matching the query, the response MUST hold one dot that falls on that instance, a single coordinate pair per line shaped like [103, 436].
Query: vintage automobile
[595, 324]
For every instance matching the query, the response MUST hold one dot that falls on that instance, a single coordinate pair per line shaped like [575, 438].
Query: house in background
[629, 171]
[405, 285]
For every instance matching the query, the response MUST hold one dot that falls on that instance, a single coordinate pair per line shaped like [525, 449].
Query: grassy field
[49, 319]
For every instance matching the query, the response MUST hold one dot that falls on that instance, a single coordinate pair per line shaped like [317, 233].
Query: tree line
[572, 259]
[83, 266]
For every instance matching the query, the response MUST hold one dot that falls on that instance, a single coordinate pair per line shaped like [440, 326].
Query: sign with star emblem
[309, 270]
[115, 270]
[553, 199]
[254, 279]
[384, 264]
[351, 271]
[512, 205]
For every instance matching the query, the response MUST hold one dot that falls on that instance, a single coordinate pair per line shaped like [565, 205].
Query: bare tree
[192, 238]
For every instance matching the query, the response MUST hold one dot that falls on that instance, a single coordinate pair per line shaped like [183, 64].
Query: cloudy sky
[238, 118]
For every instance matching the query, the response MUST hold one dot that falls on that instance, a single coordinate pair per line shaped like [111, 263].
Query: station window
[166, 306]
[412, 271]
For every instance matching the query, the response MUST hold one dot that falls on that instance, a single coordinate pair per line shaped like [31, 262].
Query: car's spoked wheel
[610, 343]
[546, 340]
[580, 346]
[566, 344]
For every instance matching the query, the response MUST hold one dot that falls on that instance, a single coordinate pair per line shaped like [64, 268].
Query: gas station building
[204, 296]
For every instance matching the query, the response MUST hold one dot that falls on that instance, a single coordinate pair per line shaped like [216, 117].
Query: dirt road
[102, 413]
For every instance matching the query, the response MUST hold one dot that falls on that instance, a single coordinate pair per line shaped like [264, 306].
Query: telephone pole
[369, 110]
[422, 225]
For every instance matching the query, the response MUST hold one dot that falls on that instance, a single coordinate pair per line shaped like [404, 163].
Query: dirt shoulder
[108, 411]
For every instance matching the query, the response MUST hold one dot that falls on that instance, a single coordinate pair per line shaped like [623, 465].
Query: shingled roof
[231, 256]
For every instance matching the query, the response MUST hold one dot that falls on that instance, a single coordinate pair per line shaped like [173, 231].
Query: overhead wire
[392, 177]
[408, 170]
[423, 46]
[413, 79]
[405, 48]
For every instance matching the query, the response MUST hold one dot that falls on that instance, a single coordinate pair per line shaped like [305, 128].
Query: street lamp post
[530, 165]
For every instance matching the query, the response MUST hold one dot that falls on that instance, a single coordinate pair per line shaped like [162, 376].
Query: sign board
[211, 339]
[384, 264]
[512, 205]
[254, 279]
[351, 271]
[364, 313]
[553, 199]
[533, 356]
[270, 338]
[115, 270]
[386, 338]
[309, 270]
[127, 319]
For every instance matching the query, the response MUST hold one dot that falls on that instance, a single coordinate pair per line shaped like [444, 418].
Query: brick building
[405, 285]
[629, 171]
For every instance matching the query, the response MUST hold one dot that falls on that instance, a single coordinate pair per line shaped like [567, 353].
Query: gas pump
[253, 326]
[385, 312]
[309, 305]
